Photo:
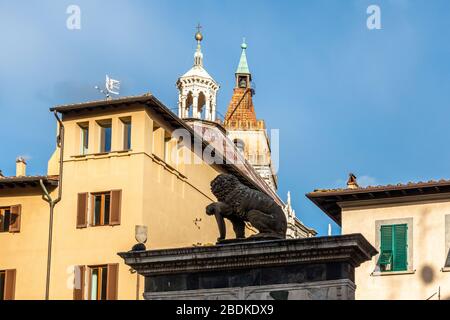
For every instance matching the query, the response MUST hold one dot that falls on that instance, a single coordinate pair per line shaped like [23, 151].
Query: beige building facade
[410, 227]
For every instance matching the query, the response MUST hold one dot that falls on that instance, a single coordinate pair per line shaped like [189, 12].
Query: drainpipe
[52, 203]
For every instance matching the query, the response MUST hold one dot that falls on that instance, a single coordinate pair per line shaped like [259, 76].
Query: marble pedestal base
[298, 269]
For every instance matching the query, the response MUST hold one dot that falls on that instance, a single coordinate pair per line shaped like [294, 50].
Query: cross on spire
[199, 28]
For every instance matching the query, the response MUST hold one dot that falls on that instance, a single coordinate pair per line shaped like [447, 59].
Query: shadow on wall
[427, 274]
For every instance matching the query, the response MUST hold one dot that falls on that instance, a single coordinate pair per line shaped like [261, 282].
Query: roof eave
[23, 182]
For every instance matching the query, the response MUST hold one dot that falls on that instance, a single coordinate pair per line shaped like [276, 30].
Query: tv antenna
[111, 87]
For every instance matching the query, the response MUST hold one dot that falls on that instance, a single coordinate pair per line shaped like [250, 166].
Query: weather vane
[111, 87]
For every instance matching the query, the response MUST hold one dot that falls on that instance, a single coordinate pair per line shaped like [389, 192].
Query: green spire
[243, 65]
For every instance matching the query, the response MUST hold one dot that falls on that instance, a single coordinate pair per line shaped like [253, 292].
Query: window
[393, 248]
[5, 219]
[101, 209]
[126, 134]
[105, 136]
[84, 138]
[10, 219]
[7, 284]
[242, 82]
[98, 283]
[102, 282]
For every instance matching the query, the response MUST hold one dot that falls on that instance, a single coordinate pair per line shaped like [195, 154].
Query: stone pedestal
[297, 269]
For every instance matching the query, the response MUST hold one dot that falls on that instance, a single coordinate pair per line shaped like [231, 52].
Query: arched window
[240, 145]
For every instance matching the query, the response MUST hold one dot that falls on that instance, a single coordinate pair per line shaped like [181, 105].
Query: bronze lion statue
[239, 204]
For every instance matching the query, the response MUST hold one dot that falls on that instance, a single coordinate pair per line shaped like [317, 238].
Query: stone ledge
[353, 249]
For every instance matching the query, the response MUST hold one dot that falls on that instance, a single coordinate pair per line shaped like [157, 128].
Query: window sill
[101, 153]
[391, 273]
[445, 269]
[80, 156]
[102, 225]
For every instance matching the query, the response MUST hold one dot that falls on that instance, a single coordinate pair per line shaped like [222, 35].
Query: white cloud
[365, 181]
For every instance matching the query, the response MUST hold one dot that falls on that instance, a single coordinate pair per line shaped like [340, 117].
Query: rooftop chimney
[352, 183]
[21, 167]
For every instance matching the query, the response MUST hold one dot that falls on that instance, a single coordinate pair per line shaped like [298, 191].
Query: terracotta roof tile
[409, 184]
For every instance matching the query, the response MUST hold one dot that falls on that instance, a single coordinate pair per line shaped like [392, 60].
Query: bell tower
[241, 112]
[197, 98]
[249, 134]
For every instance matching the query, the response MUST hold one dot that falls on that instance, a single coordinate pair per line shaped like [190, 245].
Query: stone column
[195, 112]
[180, 106]
[213, 109]
[208, 109]
[184, 112]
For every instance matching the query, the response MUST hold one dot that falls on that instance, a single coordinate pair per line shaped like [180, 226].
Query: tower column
[184, 112]
[208, 108]
[195, 111]
[180, 106]
[213, 108]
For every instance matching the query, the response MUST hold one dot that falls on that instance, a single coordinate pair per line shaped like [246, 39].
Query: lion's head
[223, 185]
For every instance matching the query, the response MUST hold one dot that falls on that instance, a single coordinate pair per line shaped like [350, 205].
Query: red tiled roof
[409, 185]
[329, 199]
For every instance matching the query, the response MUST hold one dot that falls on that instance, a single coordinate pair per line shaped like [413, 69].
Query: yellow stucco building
[117, 173]
[409, 224]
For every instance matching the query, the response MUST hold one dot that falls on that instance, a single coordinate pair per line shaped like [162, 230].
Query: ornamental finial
[198, 35]
[244, 44]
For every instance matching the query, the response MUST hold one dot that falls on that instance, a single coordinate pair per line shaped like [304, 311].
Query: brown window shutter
[82, 209]
[10, 284]
[16, 212]
[89, 274]
[78, 288]
[116, 204]
[113, 282]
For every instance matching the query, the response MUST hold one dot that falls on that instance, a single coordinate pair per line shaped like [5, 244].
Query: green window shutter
[385, 258]
[386, 248]
[386, 238]
[400, 243]
[447, 262]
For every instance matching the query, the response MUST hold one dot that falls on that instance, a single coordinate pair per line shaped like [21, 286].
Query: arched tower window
[240, 145]
[188, 112]
[201, 105]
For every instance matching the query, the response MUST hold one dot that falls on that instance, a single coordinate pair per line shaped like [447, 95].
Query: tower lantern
[243, 75]
[197, 96]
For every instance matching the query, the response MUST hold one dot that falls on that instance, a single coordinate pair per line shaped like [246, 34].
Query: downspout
[52, 203]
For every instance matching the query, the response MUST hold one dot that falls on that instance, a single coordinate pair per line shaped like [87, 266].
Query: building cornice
[353, 248]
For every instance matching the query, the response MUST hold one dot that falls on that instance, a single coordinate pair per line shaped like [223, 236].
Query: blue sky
[345, 98]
